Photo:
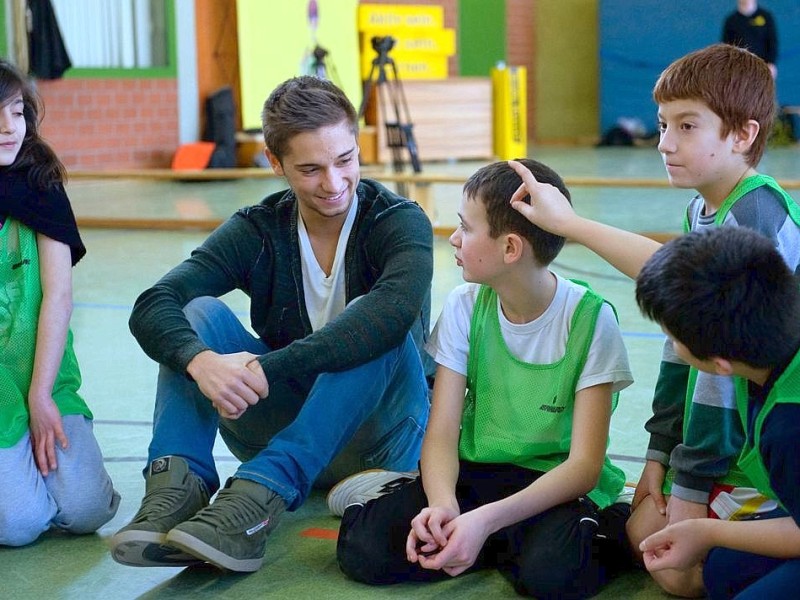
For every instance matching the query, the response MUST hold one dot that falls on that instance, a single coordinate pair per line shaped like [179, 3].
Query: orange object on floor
[193, 157]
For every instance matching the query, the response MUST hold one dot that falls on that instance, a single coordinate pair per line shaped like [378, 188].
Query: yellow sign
[432, 41]
[373, 16]
[411, 65]
[509, 98]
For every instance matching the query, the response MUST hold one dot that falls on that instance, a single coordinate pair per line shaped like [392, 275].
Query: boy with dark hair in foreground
[731, 306]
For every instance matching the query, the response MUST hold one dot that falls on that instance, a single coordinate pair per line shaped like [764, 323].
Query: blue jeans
[372, 416]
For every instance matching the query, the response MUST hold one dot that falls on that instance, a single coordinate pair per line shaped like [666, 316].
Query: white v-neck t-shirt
[325, 295]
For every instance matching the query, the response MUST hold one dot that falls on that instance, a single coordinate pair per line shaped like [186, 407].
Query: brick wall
[520, 48]
[111, 123]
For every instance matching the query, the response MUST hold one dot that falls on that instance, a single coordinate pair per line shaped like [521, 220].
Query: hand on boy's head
[547, 207]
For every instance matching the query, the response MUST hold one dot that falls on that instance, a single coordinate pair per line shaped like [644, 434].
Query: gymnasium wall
[637, 40]
[564, 95]
[275, 40]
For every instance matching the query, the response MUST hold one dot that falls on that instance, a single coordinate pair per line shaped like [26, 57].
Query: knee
[20, 527]
[356, 552]
[201, 311]
[86, 513]
[684, 584]
[644, 521]
[575, 572]
[543, 581]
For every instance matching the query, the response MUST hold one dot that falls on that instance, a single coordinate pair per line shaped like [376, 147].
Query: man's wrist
[194, 366]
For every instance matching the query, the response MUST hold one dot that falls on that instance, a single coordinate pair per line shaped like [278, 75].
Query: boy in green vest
[731, 306]
[715, 110]
[513, 471]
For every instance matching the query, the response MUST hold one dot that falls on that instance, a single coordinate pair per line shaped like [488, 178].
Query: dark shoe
[172, 494]
[231, 533]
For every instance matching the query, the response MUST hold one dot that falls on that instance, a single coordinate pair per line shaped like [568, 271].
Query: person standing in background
[753, 28]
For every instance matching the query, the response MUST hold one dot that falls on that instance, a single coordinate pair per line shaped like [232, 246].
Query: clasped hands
[442, 539]
[232, 382]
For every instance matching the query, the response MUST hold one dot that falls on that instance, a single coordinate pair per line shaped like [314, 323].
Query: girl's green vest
[20, 301]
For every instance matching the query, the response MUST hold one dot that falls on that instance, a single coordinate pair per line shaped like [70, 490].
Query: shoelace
[232, 511]
[158, 500]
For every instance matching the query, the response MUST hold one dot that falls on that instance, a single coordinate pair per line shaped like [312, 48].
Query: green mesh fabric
[521, 413]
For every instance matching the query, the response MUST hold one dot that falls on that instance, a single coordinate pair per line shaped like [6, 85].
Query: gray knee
[86, 513]
[19, 527]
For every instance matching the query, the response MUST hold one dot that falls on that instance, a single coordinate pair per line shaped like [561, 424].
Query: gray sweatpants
[78, 496]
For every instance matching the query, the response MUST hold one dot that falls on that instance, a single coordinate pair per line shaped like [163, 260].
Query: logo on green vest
[552, 408]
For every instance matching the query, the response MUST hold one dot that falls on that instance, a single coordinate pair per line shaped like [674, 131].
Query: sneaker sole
[199, 549]
[148, 549]
[336, 496]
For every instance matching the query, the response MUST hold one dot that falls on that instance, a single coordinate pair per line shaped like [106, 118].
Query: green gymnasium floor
[119, 380]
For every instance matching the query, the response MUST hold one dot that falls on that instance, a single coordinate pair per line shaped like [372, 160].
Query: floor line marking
[320, 533]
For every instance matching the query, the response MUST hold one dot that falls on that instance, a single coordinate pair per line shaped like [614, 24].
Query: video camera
[382, 44]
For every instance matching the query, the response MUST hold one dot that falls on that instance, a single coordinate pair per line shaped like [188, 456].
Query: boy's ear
[745, 137]
[514, 247]
[722, 366]
[274, 162]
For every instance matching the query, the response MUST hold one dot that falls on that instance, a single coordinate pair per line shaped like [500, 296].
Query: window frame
[169, 71]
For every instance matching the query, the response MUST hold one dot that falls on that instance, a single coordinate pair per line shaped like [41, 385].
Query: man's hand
[548, 208]
[233, 382]
[680, 510]
[678, 546]
[46, 429]
[651, 484]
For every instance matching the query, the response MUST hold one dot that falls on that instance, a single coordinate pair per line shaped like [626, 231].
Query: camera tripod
[389, 93]
[318, 67]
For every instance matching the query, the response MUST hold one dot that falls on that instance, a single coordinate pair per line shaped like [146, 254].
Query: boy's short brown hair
[493, 186]
[734, 83]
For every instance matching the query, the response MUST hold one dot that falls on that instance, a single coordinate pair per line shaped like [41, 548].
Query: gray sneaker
[231, 533]
[172, 494]
[365, 486]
